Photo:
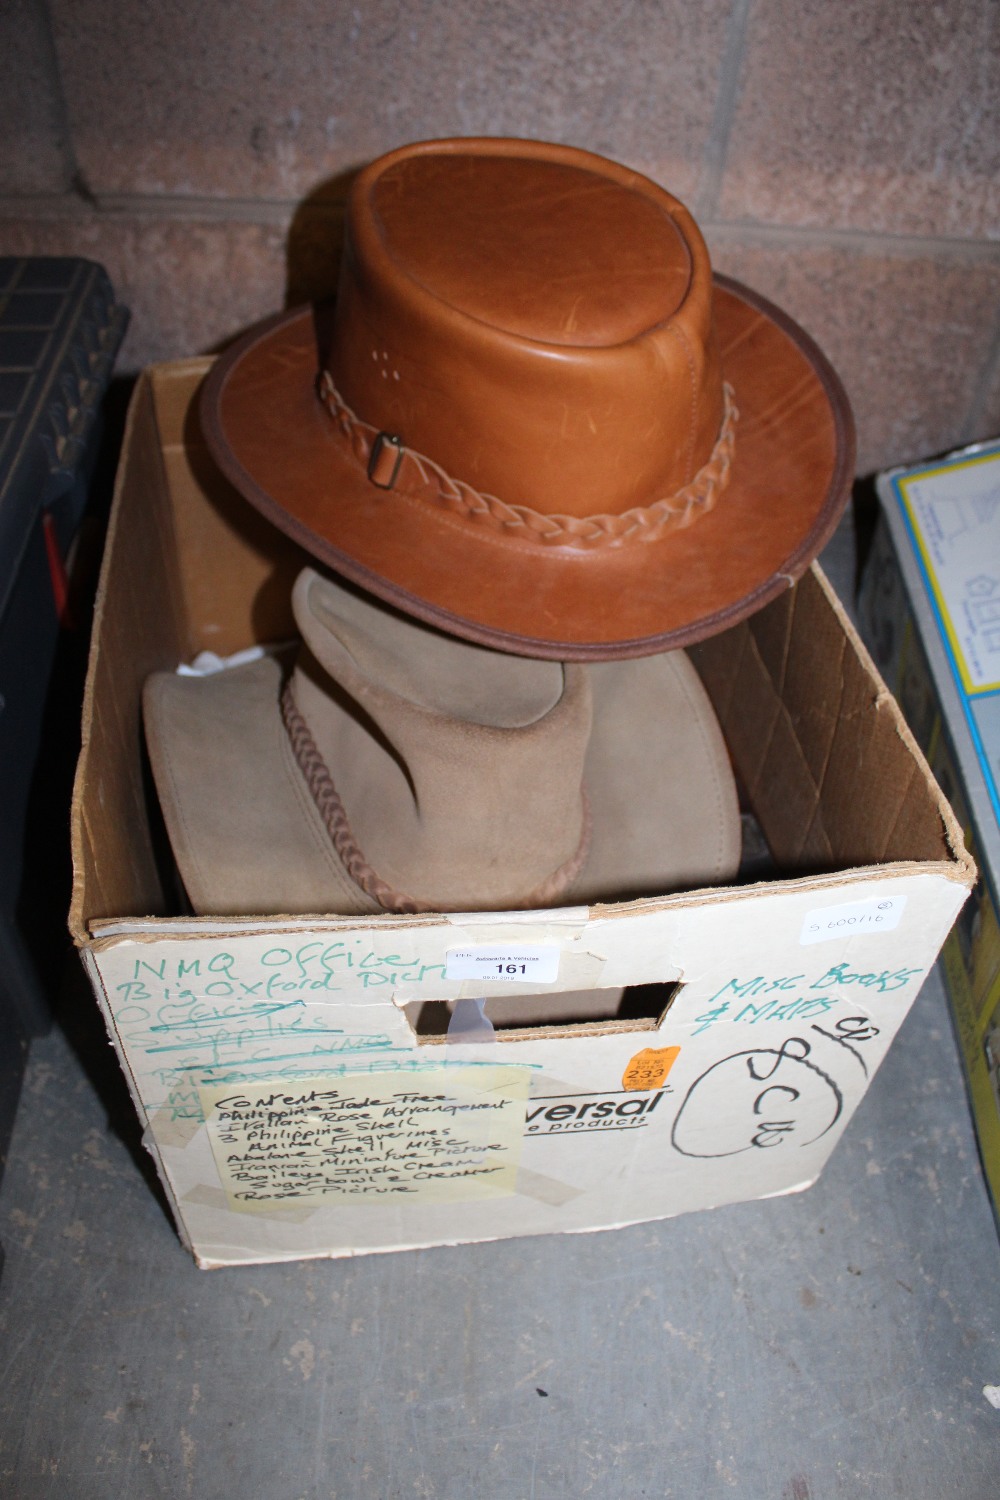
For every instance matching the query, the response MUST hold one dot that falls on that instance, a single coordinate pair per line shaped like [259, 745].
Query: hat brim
[789, 481]
[248, 839]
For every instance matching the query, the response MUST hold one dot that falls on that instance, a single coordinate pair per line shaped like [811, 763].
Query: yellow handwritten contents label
[440, 1135]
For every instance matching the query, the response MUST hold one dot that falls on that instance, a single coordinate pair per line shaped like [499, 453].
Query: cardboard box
[297, 1092]
[931, 610]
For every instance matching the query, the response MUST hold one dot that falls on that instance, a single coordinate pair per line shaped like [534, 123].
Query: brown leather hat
[533, 418]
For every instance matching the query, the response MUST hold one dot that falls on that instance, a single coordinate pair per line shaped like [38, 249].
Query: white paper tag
[507, 963]
[877, 914]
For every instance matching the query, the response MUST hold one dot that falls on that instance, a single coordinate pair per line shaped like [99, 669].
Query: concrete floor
[832, 1344]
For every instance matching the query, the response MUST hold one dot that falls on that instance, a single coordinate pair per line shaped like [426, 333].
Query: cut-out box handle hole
[519, 1018]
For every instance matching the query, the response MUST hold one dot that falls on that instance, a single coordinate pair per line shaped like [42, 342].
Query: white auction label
[527, 963]
[877, 914]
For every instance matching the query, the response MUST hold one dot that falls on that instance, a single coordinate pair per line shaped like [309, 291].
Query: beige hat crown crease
[456, 814]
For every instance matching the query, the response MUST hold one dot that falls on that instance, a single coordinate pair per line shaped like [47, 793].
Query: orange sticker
[648, 1069]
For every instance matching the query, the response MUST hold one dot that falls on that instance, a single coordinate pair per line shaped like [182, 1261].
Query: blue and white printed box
[931, 611]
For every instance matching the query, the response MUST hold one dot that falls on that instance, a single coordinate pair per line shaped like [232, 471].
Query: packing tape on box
[204, 1196]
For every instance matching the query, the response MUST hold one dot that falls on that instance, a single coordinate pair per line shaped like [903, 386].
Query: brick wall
[841, 156]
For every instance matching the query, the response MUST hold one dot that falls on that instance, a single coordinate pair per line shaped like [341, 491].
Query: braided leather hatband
[420, 477]
[331, 809]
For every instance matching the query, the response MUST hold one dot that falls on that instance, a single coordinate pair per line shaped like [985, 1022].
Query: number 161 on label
[527, 963]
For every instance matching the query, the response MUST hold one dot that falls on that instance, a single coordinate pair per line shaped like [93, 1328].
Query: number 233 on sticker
[525, 963]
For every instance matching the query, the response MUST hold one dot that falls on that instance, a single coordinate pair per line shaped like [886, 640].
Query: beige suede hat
[402, 770]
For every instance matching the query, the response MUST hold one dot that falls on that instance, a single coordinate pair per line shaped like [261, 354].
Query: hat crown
[535, 320]
[533, 418]
[545, 250]
[460, 769]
